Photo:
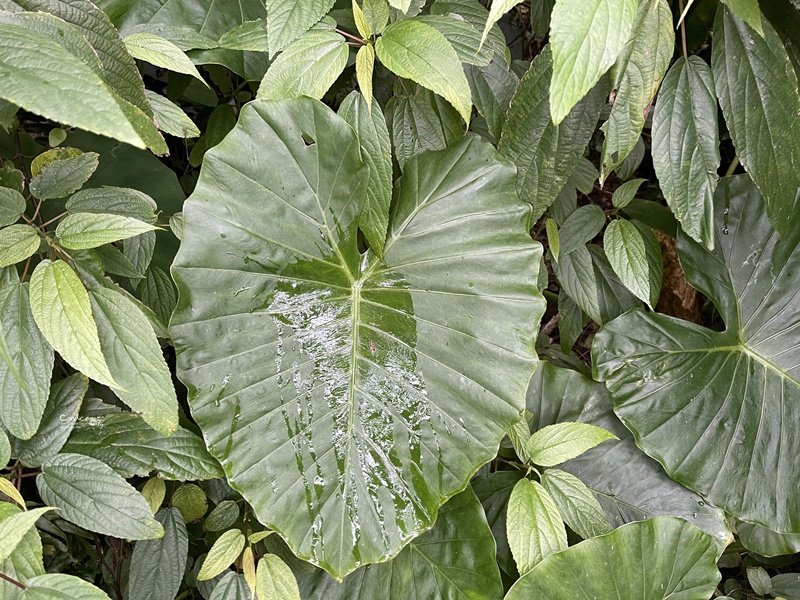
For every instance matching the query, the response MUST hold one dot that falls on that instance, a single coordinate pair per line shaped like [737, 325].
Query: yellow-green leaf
[17, 243]
[225, 550]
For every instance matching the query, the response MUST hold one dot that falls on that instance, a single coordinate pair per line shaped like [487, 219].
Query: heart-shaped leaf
[720, 410]
[321, 377]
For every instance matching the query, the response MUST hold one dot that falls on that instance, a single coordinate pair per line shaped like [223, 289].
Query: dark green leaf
[765, 542]
[494, 490]
[62, 177]
[170, 117]
[12, 205]
[157, 566]
[581, 227]
[493, 87]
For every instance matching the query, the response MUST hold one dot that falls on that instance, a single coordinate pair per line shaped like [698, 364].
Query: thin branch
[683, 31]
[12, 581]
[352, 37]
[732, 166]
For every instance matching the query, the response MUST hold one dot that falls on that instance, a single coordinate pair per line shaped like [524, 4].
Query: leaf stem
[63, 214]
[683, 31]
[732, 166]
[12, 581]
[352, 37]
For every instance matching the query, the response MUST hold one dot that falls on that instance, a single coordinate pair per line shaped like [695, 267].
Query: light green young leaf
[6, 487]
[14, 528]
[464, 38]
[519, 434]
[127, 444]
[256, 537]
[183, 37]
[58, 419]
[623, 195]
[401, 5]
[157, 566]
[56, 137]
[25, 561]
[365, 63]
[758, 91]
[250, 36]
[497, 10]
[747, 11]
[134, 359]
[80, 231]
[274, 579]
[154, 491]
[362, 24]
[62, 177]
[121, 201]
[161, 53]
[686, 146]
[637, 74]
[5, 451]
[17, 242]
[579, 508]
[307, 67]
[89, 494]
[287, 20]
[625, 249]
[48, 157]
[58, 586]
[176, 225]
[555, 444]
[533, 525]
[12, 205]
[377, 14]
[61, 308]
[225, 550]
[27, 359]
[553, 240]
[417, 51]
[44, 79]
[586, 37]
[376, 151]
[170, 117]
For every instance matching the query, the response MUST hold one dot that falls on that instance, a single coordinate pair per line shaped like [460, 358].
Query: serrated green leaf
[154, 491]
[57, 586]
[191, 500]
[497, 10]
[274, 579]
[250, 35]
[493, 88]
[533, 525]
[463, 37]
[157, 566]
[476, 15]
[27, 361]
[307, 67]
[751, 395]
[184, 38]
[686, 146]
[12, 205]
[571, 323]
[365, 63]
[362, 24]
[158, 293]
[233, 586]
[758, 91]
[17, 242]
[287, 20]
[139, 250]
[5, 451]
[518, 435]
[48, 157]
[61, 308]
[555, 444]
[579, 509]
[676, 560]
[586, 37]
[441, 214]
[6, 487]
[121, 201]
[14, 528]
[545, 153]
[116, 263]
[222, 517]
[89, 230]
[89, 494]
[416, 51]
[623, 195]
[225, 550]
[62, 177]
[637, 75]
[170, 117]
[58, 419]
[581, 227]
[553, 241]
[134, 359]
[415, 126]
[625, 249]
[376, 152]
[161, 53]
[747, 11]
[133, 448]
[26, 560]
[376, 13]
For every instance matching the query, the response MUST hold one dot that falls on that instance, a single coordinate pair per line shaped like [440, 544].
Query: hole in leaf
[308, 140]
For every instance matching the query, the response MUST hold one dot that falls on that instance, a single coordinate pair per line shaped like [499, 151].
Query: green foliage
[338, 387]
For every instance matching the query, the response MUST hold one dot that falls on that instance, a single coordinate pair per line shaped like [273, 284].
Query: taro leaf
[455, 559]
[25, 372]
[89, 494]
[157, 566]
[546, 154]
[720, 409]
[131, 447]
[364, 374]
[757, 89]
[673, 560]
[765, 542]
[629, 485]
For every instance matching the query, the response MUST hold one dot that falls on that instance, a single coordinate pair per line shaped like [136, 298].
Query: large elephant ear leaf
[346, 397]
[720, 410]
[673, 559]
